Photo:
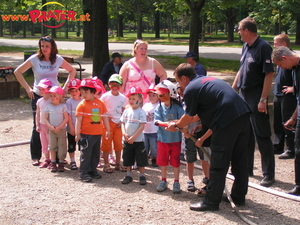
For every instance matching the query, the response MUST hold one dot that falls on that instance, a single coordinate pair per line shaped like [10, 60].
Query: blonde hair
[136, 44]
[283, 38]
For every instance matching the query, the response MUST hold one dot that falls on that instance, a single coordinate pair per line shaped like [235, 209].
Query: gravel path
[30, 195]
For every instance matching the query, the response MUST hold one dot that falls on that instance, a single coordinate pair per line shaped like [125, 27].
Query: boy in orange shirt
[88, 129]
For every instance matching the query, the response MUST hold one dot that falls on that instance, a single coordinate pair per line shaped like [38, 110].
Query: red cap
[91, 84]
[135, 90]
[161, 91]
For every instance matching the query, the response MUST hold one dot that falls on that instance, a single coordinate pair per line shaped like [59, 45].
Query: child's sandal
[107, 169]
[111, 160]
[120, 168]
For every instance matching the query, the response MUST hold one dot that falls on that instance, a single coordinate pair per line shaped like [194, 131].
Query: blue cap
[190, 54]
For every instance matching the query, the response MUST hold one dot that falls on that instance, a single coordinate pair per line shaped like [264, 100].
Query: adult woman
[140, 71]
[44, 64]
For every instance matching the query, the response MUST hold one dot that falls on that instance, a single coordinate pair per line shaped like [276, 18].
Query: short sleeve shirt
[254, 64]
[200, 70]
[132, 118]
[165, 114]
[44, 69]
[214, 101]
[56, 114]
[91, 112]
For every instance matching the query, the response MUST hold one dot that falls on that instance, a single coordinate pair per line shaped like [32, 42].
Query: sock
[128, 173]
[164, 179]
[53, 161]
[72, 159]
[61, 162]
[142, 174]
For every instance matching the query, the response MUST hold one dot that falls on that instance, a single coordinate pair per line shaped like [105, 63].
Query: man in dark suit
[110, 68]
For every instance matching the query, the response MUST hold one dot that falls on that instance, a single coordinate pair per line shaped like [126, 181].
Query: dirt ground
[30, 195]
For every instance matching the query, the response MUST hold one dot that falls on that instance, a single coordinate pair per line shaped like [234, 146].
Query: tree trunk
[88, 29]
[156, 24]
[24, 29]
[230, 29]
[297, 40]
[1, 27]
[139, 19]
[194, 31]
[100, 55]
[53, 30]
[120, 26]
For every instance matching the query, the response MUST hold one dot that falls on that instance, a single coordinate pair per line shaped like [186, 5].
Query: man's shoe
[277, 150]
[127, 180]
[143, 180]
[176, 187]
[267, 181]
[162, 186]
[295, 190]
[287, 155]
[201, 206]
[85, 177]
[95, 175]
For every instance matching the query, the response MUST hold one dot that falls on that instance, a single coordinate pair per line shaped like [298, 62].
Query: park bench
[72, 61]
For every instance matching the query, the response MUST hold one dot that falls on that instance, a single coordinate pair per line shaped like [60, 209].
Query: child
[133, 122]
[44, 86]
[72, 103]
[88, 129]
[169, 143]
[150, 131]
[115, 103]
[56, 119]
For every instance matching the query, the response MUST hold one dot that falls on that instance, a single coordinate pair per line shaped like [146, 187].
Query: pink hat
[44, 83]
[136, 90]
[57, 90]
[74, 83]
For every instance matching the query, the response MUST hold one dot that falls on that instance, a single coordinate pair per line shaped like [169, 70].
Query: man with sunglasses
[253, 81]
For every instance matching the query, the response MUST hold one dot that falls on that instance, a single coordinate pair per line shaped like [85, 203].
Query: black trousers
[229, 145]
[284, 107]
[260, 123]
[35, 142]
[297, 159]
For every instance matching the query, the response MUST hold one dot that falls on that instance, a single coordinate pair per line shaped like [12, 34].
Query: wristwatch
[176, 127]
[264, 100]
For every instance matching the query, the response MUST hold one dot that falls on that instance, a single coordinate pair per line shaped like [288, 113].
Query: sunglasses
[240, 29]
[46, 39]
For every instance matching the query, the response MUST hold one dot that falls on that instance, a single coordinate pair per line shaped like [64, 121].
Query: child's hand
[38, 129]
[187, 135]
[126, 137]
[199, 142]
[57, 130]
[77, 137]
[107, 135]
[131, 140]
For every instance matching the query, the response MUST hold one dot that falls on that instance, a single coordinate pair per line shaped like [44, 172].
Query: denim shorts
[151, 144]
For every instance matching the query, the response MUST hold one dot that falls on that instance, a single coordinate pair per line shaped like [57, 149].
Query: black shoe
[182, 157]
[235, 201]
[85, 177]
[153, 161]
[267, 181]
[277, 150]
[288, 154]
[127, 180]
[95, 175]
[143, 180]
[201, 206]
[295, 190]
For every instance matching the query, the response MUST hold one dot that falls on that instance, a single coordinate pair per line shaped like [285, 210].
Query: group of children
[96, 119]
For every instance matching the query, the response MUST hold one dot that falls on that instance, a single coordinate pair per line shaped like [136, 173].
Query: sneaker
[143, 180]
[182, 157]
[61, 167]
[73, 166]
[85, 177]
[127, 180]
[53, 167]
[288, 154]
[191, 186]
[205, 180]
[176, 188]
[162, 186]
[45, 164]
[95, 175]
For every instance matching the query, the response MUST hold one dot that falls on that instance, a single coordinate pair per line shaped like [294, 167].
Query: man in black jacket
[110, 68]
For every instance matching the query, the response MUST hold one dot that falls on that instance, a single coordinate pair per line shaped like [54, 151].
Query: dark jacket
[107, 71]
